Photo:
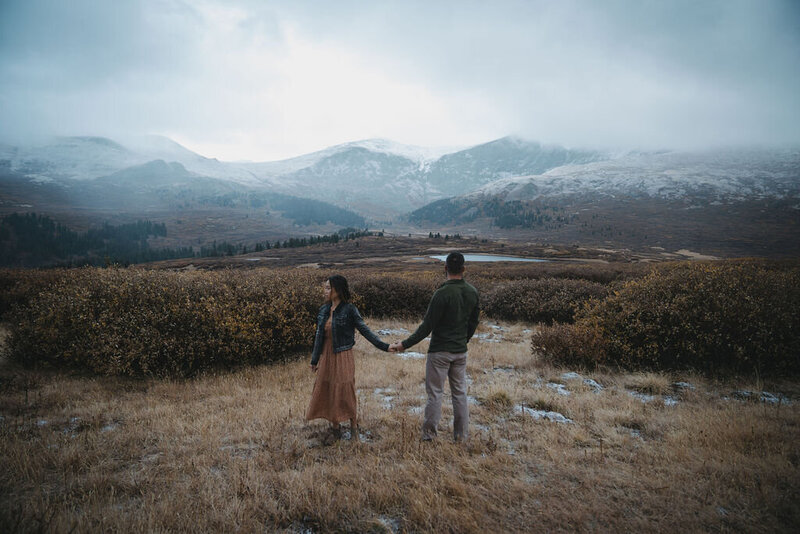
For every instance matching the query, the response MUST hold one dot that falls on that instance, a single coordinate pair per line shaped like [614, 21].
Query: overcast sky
[264, 80]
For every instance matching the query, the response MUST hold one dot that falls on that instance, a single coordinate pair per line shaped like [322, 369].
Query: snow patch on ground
[392, 332]
[644, 397]
[411, 355]
[588, 381]
[542, 414]
[559, 388]
[489, 337]
[386, 396]
[363, 437]
[389, 523]
[505, 369]
[761, 396]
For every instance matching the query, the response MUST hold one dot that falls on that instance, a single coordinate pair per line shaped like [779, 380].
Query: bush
[547, 300]
[133, 322]
[600, 273]
[575, 346]
[395, 295]
[18, 286]
[734, 317]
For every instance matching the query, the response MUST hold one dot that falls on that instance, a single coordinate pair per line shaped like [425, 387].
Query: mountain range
[374, 177]
[509, 186]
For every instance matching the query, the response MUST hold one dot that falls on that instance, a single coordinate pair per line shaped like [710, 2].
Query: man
[452, 316]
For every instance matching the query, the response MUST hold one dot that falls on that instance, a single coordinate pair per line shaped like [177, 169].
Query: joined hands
[396, 347]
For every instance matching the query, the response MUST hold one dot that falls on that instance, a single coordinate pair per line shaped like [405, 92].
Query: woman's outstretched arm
[368, 334]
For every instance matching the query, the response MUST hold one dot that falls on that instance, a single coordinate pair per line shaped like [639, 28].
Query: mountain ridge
[377, 177]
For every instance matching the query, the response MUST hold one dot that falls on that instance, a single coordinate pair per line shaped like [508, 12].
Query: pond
[490, 257]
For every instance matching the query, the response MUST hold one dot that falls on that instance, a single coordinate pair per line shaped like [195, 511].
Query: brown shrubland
[718, 317]
[165, 323]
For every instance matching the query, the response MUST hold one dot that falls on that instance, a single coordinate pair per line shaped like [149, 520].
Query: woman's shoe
[332, 436]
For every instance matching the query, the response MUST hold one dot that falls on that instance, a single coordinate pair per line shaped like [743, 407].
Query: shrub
[593, 272]
[134, 322]
[728, 316]
[18, 286]
[547, 300]
[394, 295]
[575, 346]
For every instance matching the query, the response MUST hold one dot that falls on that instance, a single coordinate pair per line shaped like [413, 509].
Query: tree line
[32, 240]
[230, 249]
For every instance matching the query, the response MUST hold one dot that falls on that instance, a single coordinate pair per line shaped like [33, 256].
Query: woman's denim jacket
[345, 320]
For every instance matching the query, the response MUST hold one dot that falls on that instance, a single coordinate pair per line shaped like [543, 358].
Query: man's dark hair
[339, 284]
[454, 263]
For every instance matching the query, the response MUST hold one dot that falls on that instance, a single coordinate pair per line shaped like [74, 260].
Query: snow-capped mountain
[715, 175]
[743, 201]
[739, 202]
[70, 158]
[89, 158]
[419, 154]
[374, 176]
[379, 177]
[454, 174]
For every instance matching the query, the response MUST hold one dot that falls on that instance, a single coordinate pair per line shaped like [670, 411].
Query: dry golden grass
[232, 452]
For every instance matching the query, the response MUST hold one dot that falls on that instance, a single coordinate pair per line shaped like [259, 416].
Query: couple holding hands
[451, 320]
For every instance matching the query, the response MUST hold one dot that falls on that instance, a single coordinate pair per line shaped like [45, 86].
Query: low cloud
[248, 79]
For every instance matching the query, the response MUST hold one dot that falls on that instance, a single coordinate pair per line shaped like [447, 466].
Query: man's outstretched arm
[429, 322]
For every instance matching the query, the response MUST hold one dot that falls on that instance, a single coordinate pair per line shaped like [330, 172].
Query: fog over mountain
[245, 79]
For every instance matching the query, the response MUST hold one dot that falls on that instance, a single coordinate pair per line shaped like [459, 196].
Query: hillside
[718, 202]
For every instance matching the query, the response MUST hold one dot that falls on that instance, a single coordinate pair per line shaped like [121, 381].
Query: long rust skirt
[334, 394]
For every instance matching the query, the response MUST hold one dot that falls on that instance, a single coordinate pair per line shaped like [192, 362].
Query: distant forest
[229, 249]
[32, 240]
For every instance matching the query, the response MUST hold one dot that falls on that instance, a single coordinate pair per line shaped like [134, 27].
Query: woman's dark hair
[339, 284]
[454, 263]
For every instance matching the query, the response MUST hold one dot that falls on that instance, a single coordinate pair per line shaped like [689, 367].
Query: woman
[334, 394]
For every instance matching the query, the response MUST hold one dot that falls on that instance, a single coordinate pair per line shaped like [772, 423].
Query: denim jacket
[345, 320]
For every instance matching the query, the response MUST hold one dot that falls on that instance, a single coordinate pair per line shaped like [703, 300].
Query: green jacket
[452, 316]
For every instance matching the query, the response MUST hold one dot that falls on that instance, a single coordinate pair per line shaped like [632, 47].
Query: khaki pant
[441, 365]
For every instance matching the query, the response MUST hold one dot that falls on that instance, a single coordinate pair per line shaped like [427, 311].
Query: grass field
[232, 452]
